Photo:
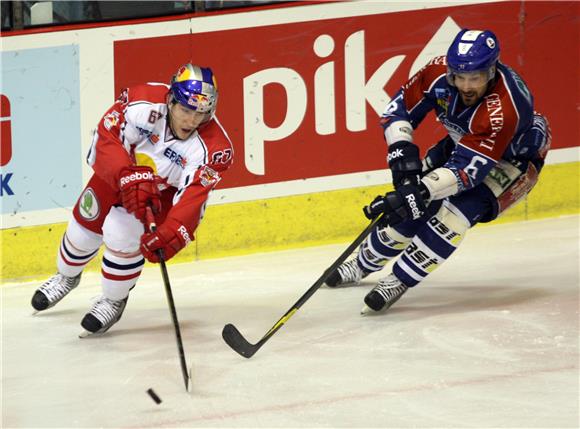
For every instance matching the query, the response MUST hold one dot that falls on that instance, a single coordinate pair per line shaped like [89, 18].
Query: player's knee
[390, 235]
[81, 238]
[450, 223]
[122, 231]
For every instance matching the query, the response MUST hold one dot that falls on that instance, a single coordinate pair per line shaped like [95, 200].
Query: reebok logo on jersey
[398, 153]
[145, 177]
[412, 202]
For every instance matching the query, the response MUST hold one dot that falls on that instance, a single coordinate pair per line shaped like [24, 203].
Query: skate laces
[350, 272]
[107, 310]
[58, 286]
[390, 287]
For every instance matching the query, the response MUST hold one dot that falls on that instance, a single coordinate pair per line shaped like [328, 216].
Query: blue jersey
[500, 126]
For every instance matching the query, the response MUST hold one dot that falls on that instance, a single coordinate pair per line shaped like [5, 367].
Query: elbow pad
[441, 183]
[399, 131]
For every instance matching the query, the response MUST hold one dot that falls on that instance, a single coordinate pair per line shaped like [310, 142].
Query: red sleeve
[110, 156]
[414, 90]
[110, 146]
[190, 206]
[493, 125]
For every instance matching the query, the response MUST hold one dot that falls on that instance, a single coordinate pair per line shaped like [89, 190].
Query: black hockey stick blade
[236, 341]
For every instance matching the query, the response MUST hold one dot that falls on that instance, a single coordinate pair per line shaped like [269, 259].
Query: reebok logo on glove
[415, 212]
[397, 153]
[184, 234]
[136, 176]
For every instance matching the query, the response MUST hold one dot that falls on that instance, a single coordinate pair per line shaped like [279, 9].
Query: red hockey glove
[170, 238]
[139, 190]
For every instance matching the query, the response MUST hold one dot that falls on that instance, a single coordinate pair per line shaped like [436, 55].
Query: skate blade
[87, 334]
[366, 310]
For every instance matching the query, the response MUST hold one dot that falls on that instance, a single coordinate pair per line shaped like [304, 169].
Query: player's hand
[138, 190]
[403, 204]
[169, 238]
[404, 163]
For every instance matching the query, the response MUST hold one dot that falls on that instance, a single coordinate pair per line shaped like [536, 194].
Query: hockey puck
[154, 396]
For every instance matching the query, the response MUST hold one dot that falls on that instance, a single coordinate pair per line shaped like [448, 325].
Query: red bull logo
[208, 176]
[198, 102]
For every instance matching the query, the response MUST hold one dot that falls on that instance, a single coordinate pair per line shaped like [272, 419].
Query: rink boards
[301, 111]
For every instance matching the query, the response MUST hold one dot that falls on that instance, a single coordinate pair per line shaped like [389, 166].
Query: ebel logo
[175, 157]
[362, 87]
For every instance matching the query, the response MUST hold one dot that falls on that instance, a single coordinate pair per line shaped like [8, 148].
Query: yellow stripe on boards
[279, 223]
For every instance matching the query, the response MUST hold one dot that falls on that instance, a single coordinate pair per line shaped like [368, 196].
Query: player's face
[471, 86]
[184, 121]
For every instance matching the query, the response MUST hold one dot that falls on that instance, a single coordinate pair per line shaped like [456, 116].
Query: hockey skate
[103, 314]
[53, 291]
[385, 294]
[348, 272]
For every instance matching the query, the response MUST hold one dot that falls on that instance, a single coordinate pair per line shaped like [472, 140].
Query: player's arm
[476, 154]
[109, 152]
[402, 115]
[190, 200]
[110, 157]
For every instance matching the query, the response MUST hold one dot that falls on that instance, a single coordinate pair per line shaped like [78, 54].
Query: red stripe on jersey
[493, 124]
[110, 276]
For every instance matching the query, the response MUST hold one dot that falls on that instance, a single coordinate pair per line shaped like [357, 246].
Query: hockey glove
[139, 190]
[169, 238]
[403, 204]
[405, 164]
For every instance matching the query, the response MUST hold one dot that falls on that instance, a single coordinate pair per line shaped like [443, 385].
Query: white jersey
[135, 131]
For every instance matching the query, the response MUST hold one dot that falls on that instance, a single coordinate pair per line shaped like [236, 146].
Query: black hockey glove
[438, 154]
[407, 202]
[405, 164]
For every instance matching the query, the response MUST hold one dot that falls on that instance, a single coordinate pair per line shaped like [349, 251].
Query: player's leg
[79, 244]
[507, 184]
[121, 267]
[383, 244]
[429, 248]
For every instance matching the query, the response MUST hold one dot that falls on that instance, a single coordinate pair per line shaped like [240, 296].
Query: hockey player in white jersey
[490, 160]
[159, 149]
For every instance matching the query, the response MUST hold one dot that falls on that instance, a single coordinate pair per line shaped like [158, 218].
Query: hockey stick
[186, 374]
[236, 340]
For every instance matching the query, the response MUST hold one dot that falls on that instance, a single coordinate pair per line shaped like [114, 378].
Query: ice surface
[489, 340]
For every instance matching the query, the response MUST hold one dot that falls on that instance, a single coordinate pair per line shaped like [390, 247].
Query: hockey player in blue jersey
[490, 159]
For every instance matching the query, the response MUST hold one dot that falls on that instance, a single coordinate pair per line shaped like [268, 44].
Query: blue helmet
[472, 50]
[195, 88]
